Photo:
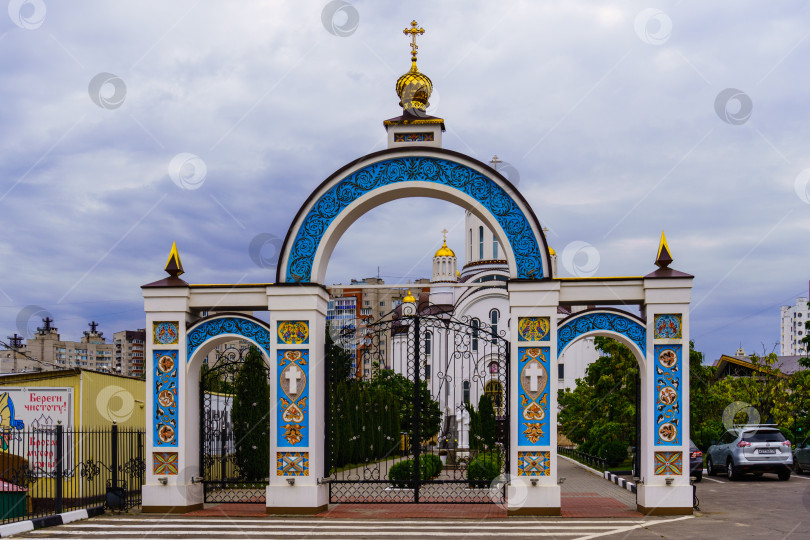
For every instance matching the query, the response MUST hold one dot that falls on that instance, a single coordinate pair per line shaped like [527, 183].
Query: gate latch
[196, 479]
[322, 481]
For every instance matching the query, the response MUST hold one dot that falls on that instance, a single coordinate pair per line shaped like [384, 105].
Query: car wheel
[784, 475]
[698, 476]
[710, 470]
[733, 475]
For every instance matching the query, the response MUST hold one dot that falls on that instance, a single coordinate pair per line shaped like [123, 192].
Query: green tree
[482, 424]
[705, 404]
[404, 392]
[338, 359]
[599, 413]
[805, 361]
[250, 416]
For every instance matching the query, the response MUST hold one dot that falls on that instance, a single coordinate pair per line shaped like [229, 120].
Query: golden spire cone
[664, 257]
[173, 265]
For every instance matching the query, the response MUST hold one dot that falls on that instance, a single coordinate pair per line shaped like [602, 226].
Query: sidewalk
[584, 494]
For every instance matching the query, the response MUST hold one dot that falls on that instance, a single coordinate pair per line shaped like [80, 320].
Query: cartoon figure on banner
[293, 383]
[7, 420]
[533, 395]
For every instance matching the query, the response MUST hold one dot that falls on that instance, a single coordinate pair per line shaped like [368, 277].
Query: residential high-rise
[129, 350]
[793, 329]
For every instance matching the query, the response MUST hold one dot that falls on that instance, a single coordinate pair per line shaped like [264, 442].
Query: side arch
[419, 172]
[623, 326]
[206, 333]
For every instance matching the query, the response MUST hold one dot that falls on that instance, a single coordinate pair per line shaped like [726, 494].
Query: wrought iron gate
[224, 480]
[417, 396]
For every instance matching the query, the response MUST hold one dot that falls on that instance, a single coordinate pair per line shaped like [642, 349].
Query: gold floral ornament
[533, 432]
[292, 433]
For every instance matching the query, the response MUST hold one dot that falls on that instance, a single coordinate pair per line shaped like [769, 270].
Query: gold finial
[495, 162]
[414, 31]
[444, 234]
[664, 258]
[173, 265]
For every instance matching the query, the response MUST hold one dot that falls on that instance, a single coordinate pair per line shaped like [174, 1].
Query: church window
[475, 324]
[560, 371]
[494, 247]
[427, 371]
[494, 389]
[428, 342]
[466, 388]
[471, 247]
[493, 318]
[481, 243]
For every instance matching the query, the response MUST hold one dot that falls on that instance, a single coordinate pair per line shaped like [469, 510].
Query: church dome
[414, 89]
[445, 251]
[409, 298]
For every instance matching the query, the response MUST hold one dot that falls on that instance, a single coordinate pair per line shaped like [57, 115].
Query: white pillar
[666, 305]
[173, 459]
[533, 461]
[297, 466]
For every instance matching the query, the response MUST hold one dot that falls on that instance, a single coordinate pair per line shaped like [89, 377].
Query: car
[695, 462]
[801, 457]
[754, 448]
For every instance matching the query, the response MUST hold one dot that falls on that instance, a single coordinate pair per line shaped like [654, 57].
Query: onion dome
[414, 88]
[409, 298]
[445, 251]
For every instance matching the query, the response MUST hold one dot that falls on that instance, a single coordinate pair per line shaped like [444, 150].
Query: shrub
[401, 474]
[484, 469]
[614, 452]
[431, 465]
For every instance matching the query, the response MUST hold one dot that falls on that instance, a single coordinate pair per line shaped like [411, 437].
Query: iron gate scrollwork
[225, 477]
[424, 415]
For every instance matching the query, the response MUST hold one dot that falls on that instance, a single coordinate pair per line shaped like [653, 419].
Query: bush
[401, 474]
[614, 452]
[484, 469]
[432, 465]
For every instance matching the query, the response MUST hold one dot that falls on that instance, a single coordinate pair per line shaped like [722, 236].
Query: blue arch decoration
[210, 328]
[614, 321]
[529, 259]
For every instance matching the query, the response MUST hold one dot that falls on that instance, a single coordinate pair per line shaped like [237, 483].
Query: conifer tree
[250, 417]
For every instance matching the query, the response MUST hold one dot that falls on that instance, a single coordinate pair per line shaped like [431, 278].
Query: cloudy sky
[129, 125]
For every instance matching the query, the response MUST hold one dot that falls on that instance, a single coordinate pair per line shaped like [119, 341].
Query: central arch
[614, 323]
[418, 172]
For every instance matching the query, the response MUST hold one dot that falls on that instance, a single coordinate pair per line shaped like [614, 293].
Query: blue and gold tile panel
[166, 419]
[292, 464]
[533, 463]
[533, 396]
[668, 326]
[164, 463]
[621, 323]
[293, 397]
[293, 332]
[668, 463]
[668, 395]
[165, 332]
[533, 328]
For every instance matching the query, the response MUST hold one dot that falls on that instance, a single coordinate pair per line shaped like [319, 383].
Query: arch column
[297, 456]
[666, 310]
[173, 459]
[533, 440]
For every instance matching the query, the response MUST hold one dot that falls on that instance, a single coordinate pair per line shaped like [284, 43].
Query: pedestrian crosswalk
[192, 528]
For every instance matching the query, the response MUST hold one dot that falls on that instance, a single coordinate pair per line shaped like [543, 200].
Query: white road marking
[714, 480]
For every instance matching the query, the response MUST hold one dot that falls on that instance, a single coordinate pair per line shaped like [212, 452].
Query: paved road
[181, 528]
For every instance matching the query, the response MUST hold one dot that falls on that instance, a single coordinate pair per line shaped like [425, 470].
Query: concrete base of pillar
[524, 499]
[674, 500]
[296, 499]
[171, 498]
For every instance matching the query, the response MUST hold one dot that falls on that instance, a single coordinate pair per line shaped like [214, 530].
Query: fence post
[60, 456]
[223, 455]
[114, 449]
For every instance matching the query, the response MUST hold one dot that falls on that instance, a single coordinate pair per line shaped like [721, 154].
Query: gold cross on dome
[444, 232]
[495, 162]
[413, 31]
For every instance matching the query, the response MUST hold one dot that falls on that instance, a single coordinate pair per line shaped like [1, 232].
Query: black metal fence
[53, 470]
[582, 457]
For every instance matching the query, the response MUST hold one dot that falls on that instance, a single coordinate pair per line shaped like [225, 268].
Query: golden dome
[445, 251]
[551, 251]
[409, 298]
[414, 89]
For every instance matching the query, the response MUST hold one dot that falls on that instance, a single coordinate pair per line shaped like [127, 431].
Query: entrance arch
[613, 323]
[415, 172]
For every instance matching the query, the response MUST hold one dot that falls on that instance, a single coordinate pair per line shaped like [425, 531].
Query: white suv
[752, 448]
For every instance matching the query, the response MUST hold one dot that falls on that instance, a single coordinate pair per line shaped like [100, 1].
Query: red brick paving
[590, 505]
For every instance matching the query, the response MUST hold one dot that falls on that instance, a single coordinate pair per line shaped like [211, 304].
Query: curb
[621, 482]
[575, 462]
[49, 521]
